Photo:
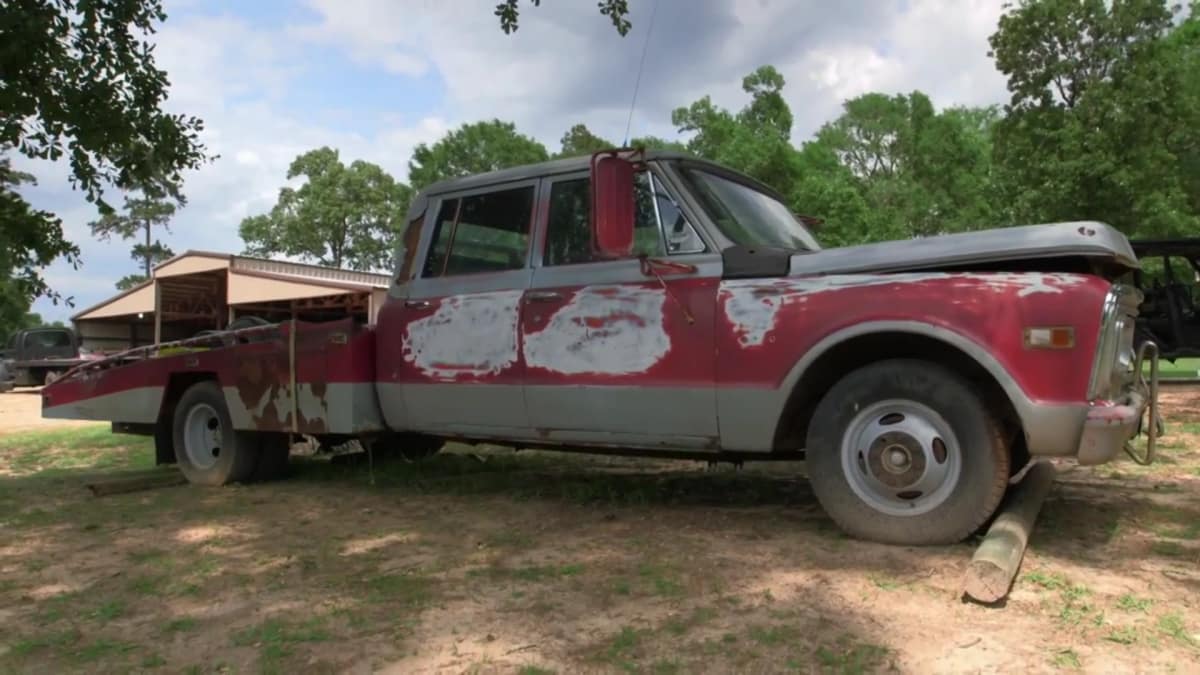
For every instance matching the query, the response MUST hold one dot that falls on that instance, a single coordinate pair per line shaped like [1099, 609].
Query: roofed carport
[199, 291]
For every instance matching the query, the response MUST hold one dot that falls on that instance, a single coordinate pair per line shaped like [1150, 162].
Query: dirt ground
[21, 410]
[536, 563]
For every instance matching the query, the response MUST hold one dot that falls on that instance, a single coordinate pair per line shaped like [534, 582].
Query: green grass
[535, 670]
[663, 580]
[113, 609]
[1172, 626]
[1132, 603]
[1126, 635]
[60, 450]
[1066, 659]
[181, 625]
[773, 635]
[1182, 368]
[531, 573]
[619, 650]
[851, 657]
[407, 590]
[276, 640]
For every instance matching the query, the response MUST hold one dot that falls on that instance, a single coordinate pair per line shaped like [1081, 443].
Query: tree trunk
[147, 224]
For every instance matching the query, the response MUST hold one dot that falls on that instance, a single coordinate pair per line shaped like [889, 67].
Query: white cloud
[565, 65]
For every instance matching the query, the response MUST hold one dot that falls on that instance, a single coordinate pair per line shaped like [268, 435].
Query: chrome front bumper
[1112, 426]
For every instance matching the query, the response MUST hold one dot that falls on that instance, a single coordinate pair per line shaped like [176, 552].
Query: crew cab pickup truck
[36, 356]
[656, 304]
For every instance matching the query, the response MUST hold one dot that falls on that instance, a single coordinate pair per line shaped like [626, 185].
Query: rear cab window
[486, 232]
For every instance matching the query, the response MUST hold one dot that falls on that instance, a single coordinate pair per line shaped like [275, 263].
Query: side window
[569, 240]
[481, 233]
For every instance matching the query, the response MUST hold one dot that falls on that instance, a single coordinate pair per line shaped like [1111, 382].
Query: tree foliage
[473, 148]
[616, 10]
[142, 213]
[78, 83]
[30, 239]
[1102, 122]
[342, 216]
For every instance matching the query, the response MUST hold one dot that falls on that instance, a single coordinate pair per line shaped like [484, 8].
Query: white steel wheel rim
[901, 457]
[202, 437]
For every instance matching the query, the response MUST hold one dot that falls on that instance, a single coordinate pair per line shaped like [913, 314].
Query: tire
[876, 464]
[202, 420]
[408, 447]
[274, 450]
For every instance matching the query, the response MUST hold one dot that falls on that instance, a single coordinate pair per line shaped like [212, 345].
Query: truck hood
[1031, 247]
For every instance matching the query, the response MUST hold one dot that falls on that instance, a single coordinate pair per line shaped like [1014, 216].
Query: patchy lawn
[537, 563]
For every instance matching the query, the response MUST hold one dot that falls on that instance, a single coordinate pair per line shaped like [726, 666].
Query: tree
[142, 214]
[30, 239]
[616, 10]
[579, 140]
[1102, 121]
[473, 148]
[919, 172]
[78, 82]
[755, 140]
[342, 216]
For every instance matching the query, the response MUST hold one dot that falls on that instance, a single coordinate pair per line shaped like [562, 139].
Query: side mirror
[612, 206]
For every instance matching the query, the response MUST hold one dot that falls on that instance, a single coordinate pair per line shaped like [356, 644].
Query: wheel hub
[202, 436]
[901, 457]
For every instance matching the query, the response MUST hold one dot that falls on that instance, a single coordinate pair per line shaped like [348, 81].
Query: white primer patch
[607, 330]
[753, 305]
[474, 335]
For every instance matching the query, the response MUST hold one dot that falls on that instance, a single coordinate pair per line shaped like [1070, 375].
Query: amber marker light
[1050, 337]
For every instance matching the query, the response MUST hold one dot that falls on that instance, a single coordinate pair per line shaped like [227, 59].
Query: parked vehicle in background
[660, 305]
[37, 356]
[1168, 279]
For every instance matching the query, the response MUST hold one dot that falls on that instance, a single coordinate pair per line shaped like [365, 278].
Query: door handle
[418, 304]
[543, 296]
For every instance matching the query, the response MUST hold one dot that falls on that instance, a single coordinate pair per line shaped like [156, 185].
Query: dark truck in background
[1169, 279]
[37, 356]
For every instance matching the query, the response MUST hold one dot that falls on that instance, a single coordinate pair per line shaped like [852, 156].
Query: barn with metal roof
[201, 290]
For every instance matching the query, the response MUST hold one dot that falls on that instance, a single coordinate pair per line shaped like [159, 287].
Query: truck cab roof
[579, 163]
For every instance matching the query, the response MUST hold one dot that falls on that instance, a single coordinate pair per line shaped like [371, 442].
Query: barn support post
[157, 313]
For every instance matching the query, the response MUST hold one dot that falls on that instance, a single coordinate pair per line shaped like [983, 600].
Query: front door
[460, 366]
[620, 352]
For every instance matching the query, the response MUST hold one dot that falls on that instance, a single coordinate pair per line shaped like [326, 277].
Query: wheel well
[862, 350]
[179, 383]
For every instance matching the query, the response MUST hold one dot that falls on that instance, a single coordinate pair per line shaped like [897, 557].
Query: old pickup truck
[656, 304]
[36, 356]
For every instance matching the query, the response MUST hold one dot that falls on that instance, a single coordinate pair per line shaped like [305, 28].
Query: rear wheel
[905, 452]
[207, 448]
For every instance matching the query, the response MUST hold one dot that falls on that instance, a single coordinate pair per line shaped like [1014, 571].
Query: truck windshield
[746, 216]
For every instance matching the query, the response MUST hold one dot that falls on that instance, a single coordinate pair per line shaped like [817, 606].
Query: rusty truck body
[656, 304]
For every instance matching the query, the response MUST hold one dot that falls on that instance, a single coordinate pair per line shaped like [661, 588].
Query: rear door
[460, 369]
[621, 351]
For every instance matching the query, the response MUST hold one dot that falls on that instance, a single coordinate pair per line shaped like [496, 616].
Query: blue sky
[373, 78]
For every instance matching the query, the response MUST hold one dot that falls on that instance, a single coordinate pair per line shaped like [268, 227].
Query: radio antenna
[641, 66]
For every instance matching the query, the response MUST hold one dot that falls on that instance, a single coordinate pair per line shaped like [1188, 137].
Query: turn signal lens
[1050, 337]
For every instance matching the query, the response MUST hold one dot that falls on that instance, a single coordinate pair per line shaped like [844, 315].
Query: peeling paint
[752, 305]
[469, 335]
[607, 330]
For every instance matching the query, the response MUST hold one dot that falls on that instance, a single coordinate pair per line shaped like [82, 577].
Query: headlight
[1114, 360]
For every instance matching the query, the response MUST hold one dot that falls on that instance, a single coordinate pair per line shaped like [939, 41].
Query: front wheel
[207, 448]
[905, 452]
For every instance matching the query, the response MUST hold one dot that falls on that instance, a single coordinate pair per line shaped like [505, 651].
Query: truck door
[620, 351]
[459, 367]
